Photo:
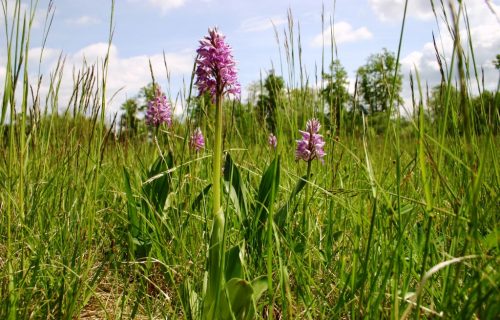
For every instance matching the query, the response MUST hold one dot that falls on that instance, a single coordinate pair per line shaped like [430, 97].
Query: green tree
[335, 92]
[128, 119]
[437, 100]
[254, 89]
[146, 94]
[133, 107]
[378, 81]
[268, 100]
[486, 112]
[497, 66]
[485, 109]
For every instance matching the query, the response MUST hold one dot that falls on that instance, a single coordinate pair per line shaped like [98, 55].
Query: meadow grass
[402, 224]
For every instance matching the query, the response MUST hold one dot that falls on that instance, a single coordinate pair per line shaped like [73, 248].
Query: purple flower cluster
[216, 69]
[311, 145]
[272, 140]
[197, 141]
[159, 110]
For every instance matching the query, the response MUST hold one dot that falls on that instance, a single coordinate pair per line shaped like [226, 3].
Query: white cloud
[484, 26]
[2, 72]
[83, 21]
[261, 23]
[38, 14]
[424, 60]
[351, 83]
[126, 75]
[34, 55]
[343, 33]
[94, 52]
[392, 10]
[412, 59]
[163, 5]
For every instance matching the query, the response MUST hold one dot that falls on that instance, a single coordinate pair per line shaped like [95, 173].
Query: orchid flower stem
[216, 250]
[217, 163]
[306, 214]
[216, 74]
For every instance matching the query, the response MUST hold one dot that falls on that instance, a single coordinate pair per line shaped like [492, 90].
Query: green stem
[216, 250]
[215, 268]
[306, 215]
[308, 176]
[270, 222]
[217, 158]
[270, 264]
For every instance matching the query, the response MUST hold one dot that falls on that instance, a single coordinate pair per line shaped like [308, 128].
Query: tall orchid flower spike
[216, 68]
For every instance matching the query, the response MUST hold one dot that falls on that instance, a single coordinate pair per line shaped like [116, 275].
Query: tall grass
[399, 225]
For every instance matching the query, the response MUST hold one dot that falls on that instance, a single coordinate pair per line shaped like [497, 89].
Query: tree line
[377, 96]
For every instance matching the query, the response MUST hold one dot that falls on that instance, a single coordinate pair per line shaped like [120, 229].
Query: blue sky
[144, 29]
